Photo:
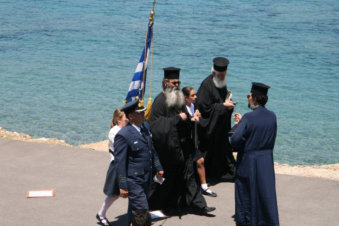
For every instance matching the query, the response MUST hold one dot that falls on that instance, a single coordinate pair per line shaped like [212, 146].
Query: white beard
[174, 98]
[219, 83]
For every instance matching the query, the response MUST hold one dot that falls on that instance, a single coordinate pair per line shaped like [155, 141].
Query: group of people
[162, 164]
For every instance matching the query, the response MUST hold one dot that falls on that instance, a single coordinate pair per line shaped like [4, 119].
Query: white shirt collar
[190, 109]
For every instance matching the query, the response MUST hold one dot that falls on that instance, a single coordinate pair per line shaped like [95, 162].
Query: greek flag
[137, 86]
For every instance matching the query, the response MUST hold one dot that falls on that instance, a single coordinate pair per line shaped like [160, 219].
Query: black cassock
[172, 140]
[255, 194]
[215, 123]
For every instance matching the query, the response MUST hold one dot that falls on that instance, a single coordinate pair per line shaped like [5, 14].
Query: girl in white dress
[111, 188]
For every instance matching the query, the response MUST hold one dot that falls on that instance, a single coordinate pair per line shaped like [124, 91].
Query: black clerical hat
[132, 106]
[220, 63]
[171, 73]
[259, 88]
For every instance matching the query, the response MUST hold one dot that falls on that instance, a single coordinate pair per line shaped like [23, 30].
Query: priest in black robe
[254, 136]
[215, 123]
[171, 134]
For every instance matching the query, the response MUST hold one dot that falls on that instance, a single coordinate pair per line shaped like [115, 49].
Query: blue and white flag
[137, 86]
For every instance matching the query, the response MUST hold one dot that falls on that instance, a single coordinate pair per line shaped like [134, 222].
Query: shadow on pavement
[120, 220]
[214, 181]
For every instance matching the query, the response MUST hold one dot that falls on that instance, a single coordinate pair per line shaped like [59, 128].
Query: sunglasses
[176, 83]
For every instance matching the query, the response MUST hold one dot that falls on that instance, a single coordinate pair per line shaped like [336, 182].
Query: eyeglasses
[193, 95]
[176, 83]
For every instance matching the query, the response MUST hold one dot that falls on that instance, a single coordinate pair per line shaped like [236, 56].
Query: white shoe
[156, 214]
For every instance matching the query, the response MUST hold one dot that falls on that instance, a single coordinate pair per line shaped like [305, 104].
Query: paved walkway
[78, 175]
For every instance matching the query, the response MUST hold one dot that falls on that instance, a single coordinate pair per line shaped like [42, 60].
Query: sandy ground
[98, 146]
[25, 137]
[324, 171]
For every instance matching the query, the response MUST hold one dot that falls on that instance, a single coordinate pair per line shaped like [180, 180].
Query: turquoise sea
[66, 65]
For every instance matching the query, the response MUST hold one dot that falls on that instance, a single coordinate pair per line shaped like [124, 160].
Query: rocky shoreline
[330, 171]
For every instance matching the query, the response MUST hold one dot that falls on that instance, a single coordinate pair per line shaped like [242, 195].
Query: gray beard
[252, 106]
[174, 98]
[219, 83]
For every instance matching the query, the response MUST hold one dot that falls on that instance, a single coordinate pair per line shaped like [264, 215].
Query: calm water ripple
[65, 65]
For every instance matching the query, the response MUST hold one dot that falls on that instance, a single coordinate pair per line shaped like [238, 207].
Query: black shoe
[209, 209]
[212, 194]
[203, 211]
[102, 221]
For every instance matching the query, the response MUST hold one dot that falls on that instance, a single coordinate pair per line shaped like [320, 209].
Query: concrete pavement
[77, 175]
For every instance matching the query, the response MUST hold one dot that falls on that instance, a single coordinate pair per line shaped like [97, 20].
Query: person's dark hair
[261, 99]
[141, 218]
[186, 91]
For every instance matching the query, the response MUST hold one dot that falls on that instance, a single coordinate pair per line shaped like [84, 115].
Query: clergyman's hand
[197, 113]
[229, 105]
[123, 193]
[195, 119]
[160, 174]
[183, 116]
[237, 117]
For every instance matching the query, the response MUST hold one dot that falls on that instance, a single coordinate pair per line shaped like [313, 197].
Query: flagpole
[138, 84]
[150, 23]
[149, 104]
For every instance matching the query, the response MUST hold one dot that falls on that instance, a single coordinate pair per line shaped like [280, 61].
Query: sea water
[66, 65]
